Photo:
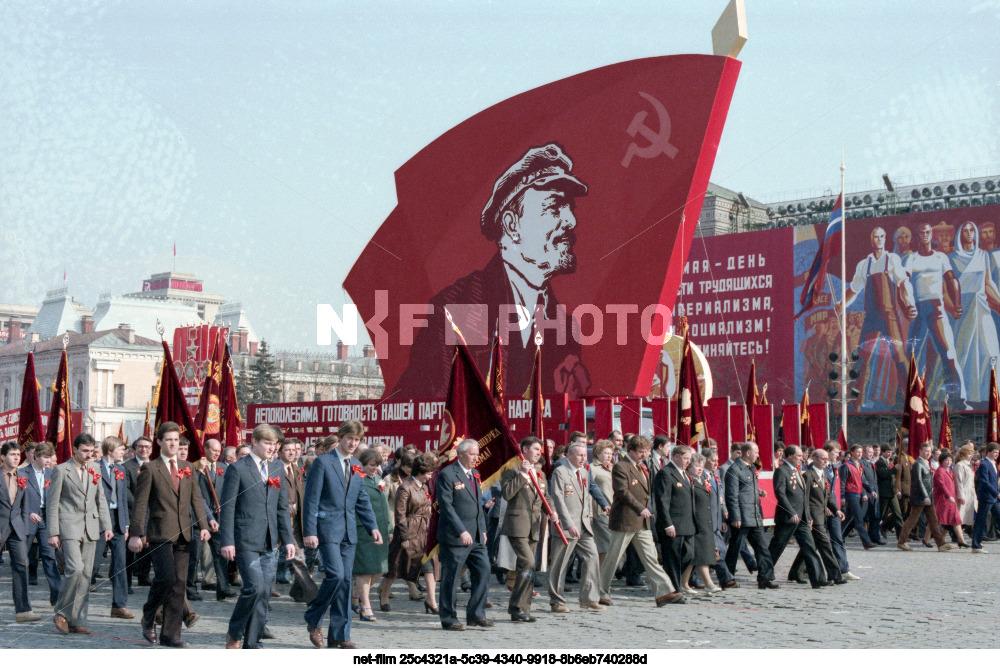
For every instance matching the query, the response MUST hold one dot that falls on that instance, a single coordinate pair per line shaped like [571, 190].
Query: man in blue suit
[39, 475]
[334, 501]
[116, 492]
[254, 525]
[988, 496]
[461, 536]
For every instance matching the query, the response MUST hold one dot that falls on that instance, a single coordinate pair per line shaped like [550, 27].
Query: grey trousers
[74, 594]
[590, 576]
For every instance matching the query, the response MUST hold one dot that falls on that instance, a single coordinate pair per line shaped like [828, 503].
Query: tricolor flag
[830, 247]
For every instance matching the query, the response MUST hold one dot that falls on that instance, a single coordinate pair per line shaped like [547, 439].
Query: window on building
[119, 395]
[317, 397]
[6, 400]
[300, 396]
[79, 394]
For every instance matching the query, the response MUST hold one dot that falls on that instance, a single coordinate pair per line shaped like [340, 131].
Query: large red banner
[576, 201]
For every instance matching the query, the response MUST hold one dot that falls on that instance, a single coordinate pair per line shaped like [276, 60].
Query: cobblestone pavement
[916, 599]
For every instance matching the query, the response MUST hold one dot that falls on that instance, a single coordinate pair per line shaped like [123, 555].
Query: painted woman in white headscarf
[975, 332]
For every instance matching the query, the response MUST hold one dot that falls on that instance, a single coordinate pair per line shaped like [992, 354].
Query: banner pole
[843, 301]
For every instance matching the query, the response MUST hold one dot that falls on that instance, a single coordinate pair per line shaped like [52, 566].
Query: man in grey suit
[76, 515]
[255, 524]
[571, 501]
[14, 523]
[461, 536]
[746, 519]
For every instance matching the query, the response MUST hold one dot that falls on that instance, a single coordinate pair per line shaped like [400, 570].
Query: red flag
[59, 432]
[919, 425]
[30, 421]
[495, 377]
[842, 438]
[992, 432]
[229, 405]
[691, 425]
[172, 407]
[752, 401]
[944, 439]
[175, 249]
[805, 432]
[538, 407]
[632, 142]
[207, 420]
[471, 412]
[121, 430]
[147, 431]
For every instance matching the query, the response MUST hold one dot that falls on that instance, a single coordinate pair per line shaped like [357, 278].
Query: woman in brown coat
[409, 539]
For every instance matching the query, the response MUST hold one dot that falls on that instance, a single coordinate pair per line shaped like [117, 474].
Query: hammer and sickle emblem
[658, 141]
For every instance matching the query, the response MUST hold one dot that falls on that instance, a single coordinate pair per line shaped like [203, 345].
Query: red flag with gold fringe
[752, 401]
[229, 405]
[30, 419]
[691, 423]
[944, 438]
[207, 420]
[805, 433]
[172, 407]
[60, 432]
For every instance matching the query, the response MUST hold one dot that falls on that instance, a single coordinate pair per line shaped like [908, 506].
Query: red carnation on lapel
[219, 471]
[476, 476]
[22, 482]
[274, 482]
[302, 470]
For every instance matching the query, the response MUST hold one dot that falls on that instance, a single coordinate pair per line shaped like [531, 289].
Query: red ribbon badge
[22, 482]
[644, 469]
[184, 473]
[478, 479]
[357, 470]
[47, 483]
[96, 476]
[119, 475]
[274, 482]
[428, 495]
[302, 470]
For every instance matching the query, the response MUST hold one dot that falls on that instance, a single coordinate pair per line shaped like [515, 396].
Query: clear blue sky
[263, 136]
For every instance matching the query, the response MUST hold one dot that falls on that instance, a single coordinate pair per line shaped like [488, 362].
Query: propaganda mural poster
[568, 209]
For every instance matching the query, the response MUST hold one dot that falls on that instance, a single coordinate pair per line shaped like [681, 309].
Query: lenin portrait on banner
[530, 217]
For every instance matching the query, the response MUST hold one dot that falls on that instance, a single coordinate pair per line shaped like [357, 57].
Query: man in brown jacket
[169, 492]
[521, 524]
[629, 523]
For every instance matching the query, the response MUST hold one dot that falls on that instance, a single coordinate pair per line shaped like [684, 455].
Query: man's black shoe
[520, 616]
[454, 626]
[840, 581]
[797, 580]
[769, 584]
[194, 596]
[208, 587]
[637, 582]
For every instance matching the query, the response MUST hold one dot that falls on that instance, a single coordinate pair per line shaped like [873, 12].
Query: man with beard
[530, 218]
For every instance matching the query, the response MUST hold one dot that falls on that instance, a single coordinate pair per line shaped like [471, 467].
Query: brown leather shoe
[605, 601]
[315, 635]
[275, 593]
[454, 626]
[558, 607]
[342, 644]
[190, 620]
[149, 633]
[676, 597]
[82, 630]
[591, 605]
[62, 624]
[233, 643]
[121, 613]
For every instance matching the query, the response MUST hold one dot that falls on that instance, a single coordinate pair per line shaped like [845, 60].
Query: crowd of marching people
[341, 523]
